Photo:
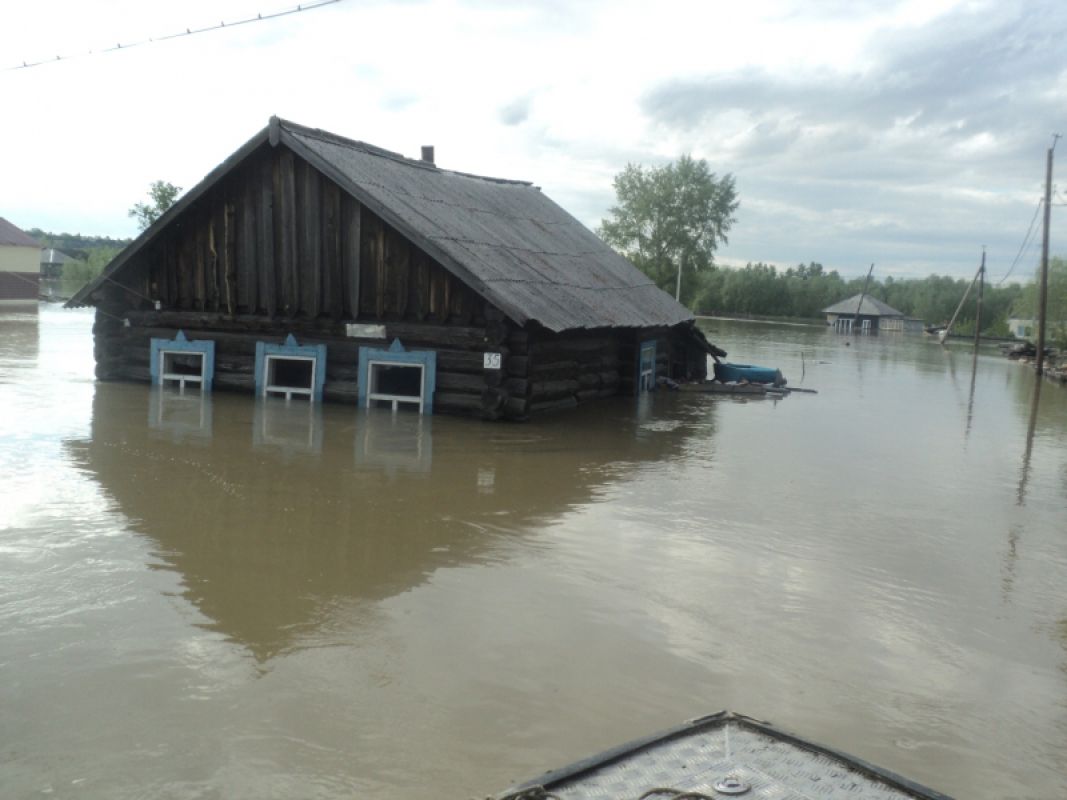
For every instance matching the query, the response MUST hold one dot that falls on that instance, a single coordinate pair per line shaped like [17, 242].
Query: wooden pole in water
[966, 294]
[978, 313]
[863, 294]
[1042, 286]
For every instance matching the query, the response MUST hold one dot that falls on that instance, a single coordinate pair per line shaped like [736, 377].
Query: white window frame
[180, 377]
[271, 388]
[374, 396]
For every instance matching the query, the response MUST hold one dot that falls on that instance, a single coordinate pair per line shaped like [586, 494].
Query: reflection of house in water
[19, 338]
[394, 441]
[268, 545]
[180, 415]
[287, 427]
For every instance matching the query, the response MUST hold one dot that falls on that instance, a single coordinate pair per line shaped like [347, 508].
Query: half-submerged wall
[463, 385]
[568, 369]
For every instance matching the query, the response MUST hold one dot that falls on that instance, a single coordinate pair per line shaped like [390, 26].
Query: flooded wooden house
[312, 265]
[869, 315]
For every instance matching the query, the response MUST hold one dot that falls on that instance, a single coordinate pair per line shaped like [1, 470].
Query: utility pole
[978, 313]
[948, 328]
[1042, 285]
[859, 305]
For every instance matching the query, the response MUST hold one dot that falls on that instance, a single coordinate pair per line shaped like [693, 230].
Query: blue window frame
[290, 369]
[179, 361]
[397, 377]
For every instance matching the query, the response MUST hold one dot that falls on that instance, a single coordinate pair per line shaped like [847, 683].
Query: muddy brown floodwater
[218, 598]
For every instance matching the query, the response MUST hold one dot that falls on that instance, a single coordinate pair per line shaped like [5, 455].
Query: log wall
[546, 371]
[539, 371]
[123, 352]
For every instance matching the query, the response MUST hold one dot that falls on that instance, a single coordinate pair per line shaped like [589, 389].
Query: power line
[187, 32]
[1026, 240]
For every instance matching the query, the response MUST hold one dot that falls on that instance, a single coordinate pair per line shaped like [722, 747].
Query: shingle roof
[11, 236]
[50, 255]
[870, 308]
[505, 239]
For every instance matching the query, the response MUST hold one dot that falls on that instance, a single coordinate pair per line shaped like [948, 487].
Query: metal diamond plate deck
[773, 768]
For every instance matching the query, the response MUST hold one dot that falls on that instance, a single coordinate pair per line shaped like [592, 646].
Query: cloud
[972, 73]
[516, 112]
[841, 119]
[912, 149]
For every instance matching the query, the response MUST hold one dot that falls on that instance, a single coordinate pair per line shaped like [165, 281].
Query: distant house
[870, 315]
[1026, 327]
[20, 266]
[311, 265]
[52, 262]
[1022, 327]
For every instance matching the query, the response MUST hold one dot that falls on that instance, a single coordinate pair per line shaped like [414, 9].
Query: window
[178, 361]
[393, 384]
[290, 375]
[181, 367]
[397, 378]
[290, 369]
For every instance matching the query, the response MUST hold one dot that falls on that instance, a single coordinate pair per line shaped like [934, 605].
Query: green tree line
[76, 245]
[669, 221]
[803, 291]
[92, 253]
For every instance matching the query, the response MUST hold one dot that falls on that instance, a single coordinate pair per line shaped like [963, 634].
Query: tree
[670, 219]
[78, 273]
[1025, 306]
[162, 195]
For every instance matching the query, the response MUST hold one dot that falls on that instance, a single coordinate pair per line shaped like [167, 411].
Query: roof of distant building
[870, 307]
[50, 255]
[12, 236]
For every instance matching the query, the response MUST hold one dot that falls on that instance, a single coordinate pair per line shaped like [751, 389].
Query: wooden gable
[275, 237]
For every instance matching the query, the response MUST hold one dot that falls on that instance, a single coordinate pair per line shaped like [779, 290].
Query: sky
[905, 134]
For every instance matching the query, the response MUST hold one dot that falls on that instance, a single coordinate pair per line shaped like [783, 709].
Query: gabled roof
[505, 239]
[50, 255]
[12, 236]
[870, 308]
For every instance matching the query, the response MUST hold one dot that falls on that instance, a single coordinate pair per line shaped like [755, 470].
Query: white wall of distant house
[20, 259]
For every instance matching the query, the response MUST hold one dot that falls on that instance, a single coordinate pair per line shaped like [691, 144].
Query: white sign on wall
[491, 360]
[358, 331]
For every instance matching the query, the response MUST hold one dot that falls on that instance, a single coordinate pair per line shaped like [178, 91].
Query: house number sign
[491, 360]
